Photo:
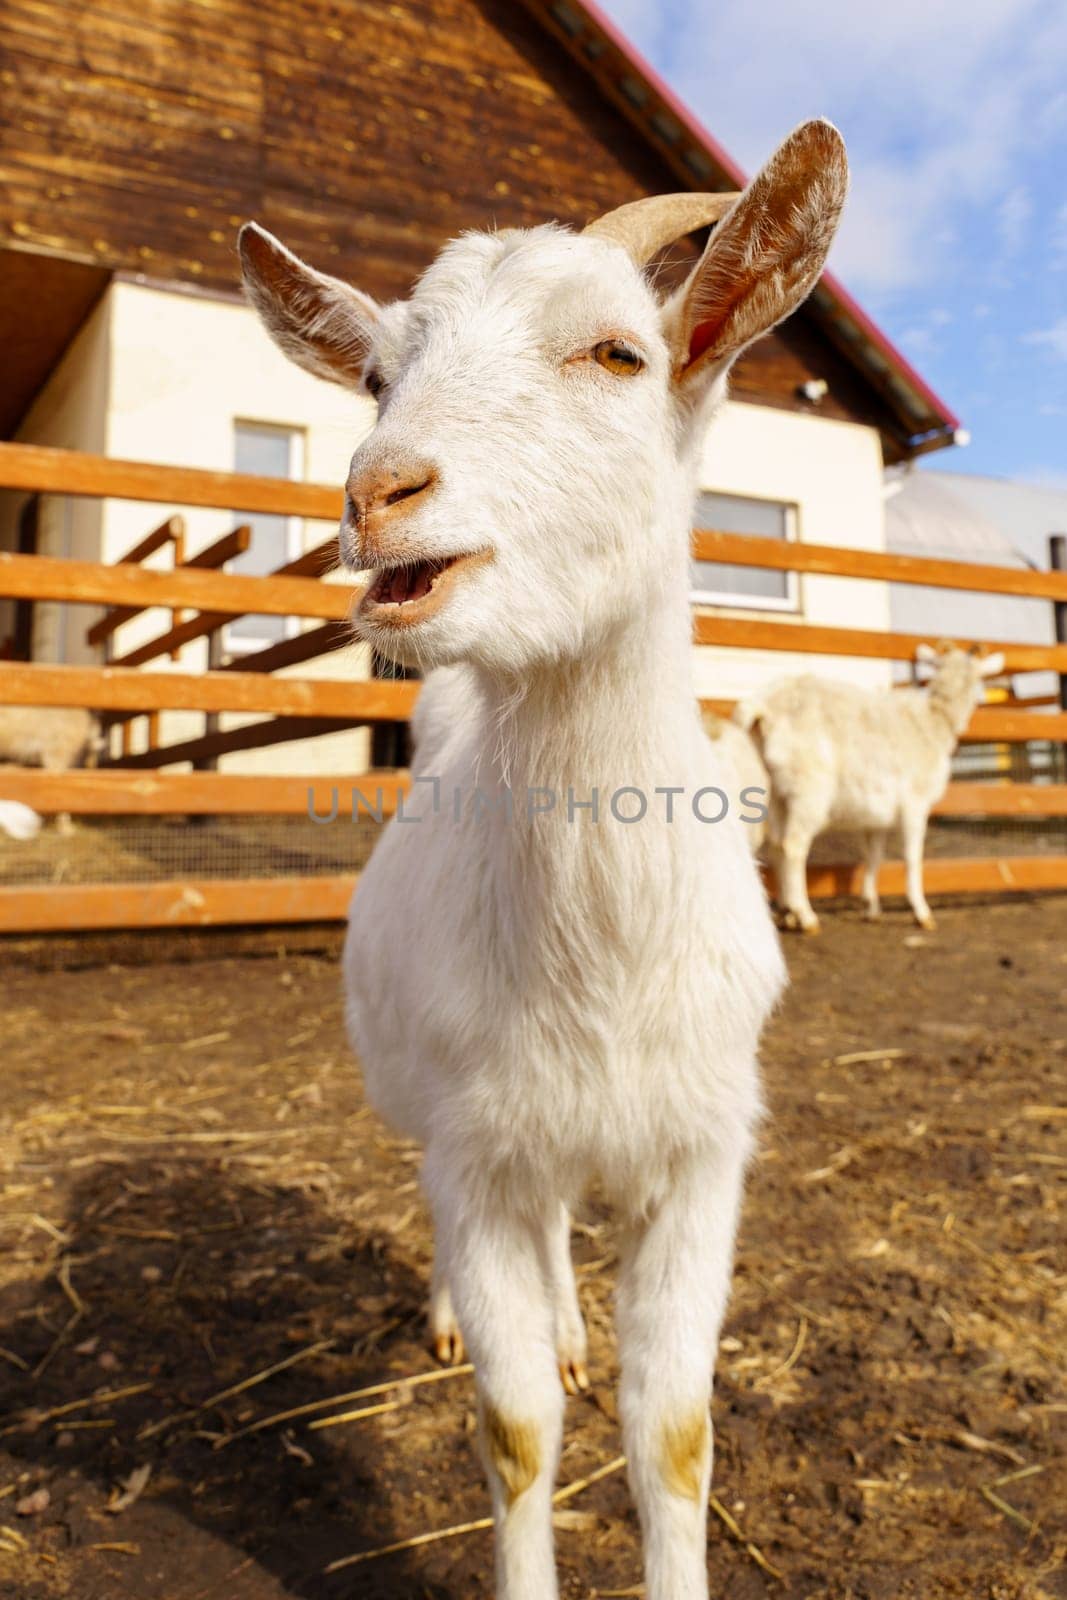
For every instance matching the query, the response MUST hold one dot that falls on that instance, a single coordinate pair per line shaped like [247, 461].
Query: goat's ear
[321, 323]
[763, 258]
[925, 652]
[992, 666]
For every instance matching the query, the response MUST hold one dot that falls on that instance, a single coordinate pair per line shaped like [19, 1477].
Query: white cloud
[1055, 338]
[941, 105]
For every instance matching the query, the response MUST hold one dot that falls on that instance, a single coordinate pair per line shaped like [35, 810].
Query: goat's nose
[374, 494]
[374, 500]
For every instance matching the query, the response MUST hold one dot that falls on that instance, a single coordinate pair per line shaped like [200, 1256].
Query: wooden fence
[200, 599]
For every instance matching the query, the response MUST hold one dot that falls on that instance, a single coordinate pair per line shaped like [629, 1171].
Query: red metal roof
[593, 39]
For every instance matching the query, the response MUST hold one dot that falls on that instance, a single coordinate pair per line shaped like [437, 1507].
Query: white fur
[863, 761]
[546, 1003]
[19, 821]
[54, 737]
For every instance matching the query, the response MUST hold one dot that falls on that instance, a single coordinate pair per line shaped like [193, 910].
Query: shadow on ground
[191, 1281]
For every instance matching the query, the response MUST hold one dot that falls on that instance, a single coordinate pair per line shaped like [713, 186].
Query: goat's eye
[616, 357]
[373, 382]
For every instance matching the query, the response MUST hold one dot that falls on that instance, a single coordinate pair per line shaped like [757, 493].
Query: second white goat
[866, 761]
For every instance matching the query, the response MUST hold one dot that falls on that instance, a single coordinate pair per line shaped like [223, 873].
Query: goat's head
[957, 673]
[529, 480]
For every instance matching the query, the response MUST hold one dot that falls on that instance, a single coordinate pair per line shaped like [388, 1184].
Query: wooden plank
[966, 875]
[174, 640]
[172, 532]
[207, 902]
[253, 736]
[227, 594]
[813, 639]
[119, 792]
[52, 471]
[779, 555]
[306, 646]
[990, 725]
[74, 472]
[123, 689]
[222, 550]
[312, 562]
[200, 904]
[168, 532]
[230, 594]
[1003, 800]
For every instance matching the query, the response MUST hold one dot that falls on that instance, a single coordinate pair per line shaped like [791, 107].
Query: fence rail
[201, 599]
[834, 561]
[209, 902]
[118, 792]
[126, 689]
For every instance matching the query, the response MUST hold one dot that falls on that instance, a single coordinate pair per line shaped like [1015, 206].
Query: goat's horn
[643, 226]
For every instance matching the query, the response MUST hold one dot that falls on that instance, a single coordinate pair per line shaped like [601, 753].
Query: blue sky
[955, 236]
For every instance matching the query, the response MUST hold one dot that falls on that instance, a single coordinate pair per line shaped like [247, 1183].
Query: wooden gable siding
[139, 134]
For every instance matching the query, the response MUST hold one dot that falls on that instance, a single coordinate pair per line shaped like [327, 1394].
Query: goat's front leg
[445, 1335]
[673, 1286]
[913, 827]
[793, 884]
[503, 1300]
[444, 1325]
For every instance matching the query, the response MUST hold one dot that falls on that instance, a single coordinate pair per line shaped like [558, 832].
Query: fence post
[212, 720]
[1057, 560]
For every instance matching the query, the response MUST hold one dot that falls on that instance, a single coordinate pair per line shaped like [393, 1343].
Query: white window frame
[243, 644]
[730, 599]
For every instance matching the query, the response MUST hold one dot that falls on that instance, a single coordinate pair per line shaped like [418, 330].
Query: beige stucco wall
[160, 375]
[163, 376]
[185, 369]
[832, 473]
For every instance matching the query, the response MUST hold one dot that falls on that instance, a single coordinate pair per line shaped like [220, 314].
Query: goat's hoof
[810, 928]
[927, 922]
[574, 1375]
[873, 914]
[448, 1347]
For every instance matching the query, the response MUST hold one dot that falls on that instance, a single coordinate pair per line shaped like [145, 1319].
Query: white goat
[861, 761]
[557, 995]
[54, 737]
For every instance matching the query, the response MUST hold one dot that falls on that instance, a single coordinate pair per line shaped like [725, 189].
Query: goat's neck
[949, 710]
[619, 714]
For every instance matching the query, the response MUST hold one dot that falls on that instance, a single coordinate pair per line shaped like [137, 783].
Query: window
[267, 452]
[746, 587]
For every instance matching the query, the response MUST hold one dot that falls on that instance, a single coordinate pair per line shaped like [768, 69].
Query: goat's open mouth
[399, 596]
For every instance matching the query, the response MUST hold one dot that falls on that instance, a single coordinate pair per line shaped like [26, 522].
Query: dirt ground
[205, 1228]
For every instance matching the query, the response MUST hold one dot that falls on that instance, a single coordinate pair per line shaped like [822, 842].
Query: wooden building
[135, 139]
